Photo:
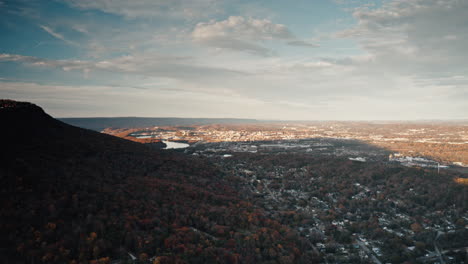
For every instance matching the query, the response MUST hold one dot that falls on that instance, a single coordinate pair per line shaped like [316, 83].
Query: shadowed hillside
[71, 195]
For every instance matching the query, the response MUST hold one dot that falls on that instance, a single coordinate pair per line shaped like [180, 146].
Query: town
[355, 193]
[354, 212]
[446, 143]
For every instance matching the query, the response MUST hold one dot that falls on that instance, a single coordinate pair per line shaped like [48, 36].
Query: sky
[262, 59]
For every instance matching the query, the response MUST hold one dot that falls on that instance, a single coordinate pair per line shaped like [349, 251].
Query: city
[446, 143]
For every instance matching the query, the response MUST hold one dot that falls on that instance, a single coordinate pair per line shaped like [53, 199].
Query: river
[174, 145]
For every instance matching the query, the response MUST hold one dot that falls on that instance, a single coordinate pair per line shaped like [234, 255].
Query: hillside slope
[71, 195]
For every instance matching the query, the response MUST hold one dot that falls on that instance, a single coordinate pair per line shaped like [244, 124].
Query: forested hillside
[70, 195]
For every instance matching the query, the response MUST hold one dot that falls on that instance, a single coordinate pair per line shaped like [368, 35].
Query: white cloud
[413, 64]
[153, 65]
[268, 87]
[85, 101]
[240, 27]
[243, 34]
[177, 9]
[414, 37]
[57, 35]
[80, 28]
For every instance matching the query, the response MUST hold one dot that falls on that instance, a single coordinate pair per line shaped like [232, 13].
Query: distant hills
[72, 195]
[100, 123]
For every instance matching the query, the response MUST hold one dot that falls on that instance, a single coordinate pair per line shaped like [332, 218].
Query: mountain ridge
[71, 195]
[100, 123]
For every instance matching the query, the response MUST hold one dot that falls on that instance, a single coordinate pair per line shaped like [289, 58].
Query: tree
[416, 227]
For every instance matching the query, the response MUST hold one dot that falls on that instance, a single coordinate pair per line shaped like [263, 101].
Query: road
[368, 251]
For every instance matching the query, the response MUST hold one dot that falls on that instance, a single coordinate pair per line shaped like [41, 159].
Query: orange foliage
[463, 181]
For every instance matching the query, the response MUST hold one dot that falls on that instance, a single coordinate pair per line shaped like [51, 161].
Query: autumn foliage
[70, 195]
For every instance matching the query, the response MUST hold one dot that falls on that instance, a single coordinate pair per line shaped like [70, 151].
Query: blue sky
[271, 59]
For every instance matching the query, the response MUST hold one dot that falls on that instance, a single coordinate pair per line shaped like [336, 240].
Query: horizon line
[272, 120]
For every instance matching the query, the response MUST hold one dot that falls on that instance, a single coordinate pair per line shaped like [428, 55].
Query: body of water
[174, 145]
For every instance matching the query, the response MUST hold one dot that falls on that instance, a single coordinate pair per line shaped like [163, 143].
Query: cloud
[414, 37]
[57, 35]
[267, 87]
[243, 34]
[240, 27]
[302, 43]
[176, 9]
[36, 61]
[81, 28]
[153, 65]
[96, 100]
[411, 62]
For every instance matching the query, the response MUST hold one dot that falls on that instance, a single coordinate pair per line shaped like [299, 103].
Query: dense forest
[70, 195]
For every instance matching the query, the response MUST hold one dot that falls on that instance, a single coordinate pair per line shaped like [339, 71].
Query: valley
[73, 195]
